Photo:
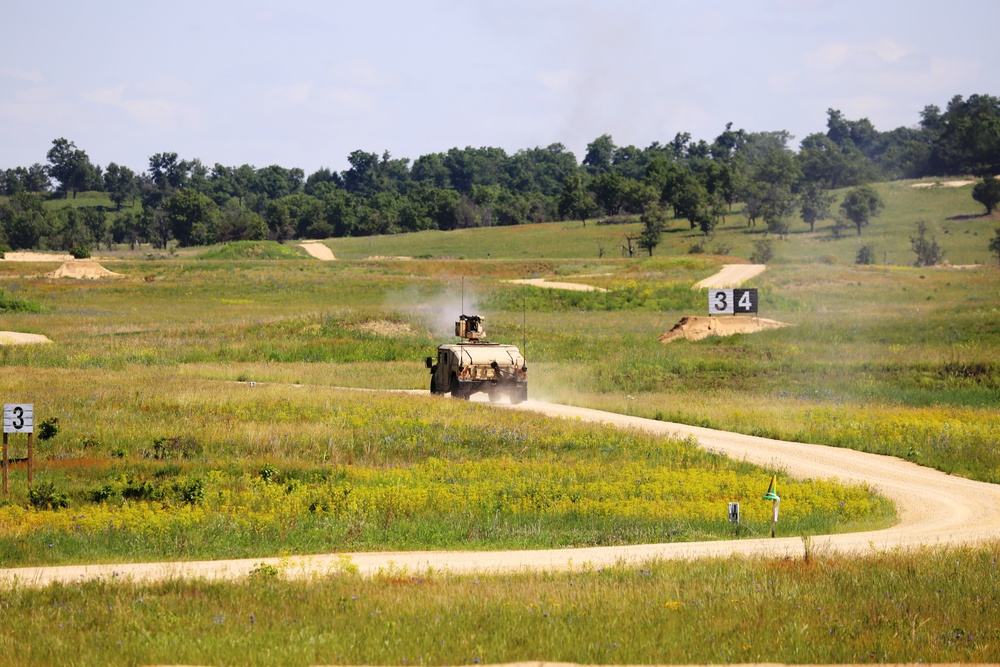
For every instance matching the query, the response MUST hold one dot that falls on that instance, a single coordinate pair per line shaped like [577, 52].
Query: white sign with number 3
[18, 418]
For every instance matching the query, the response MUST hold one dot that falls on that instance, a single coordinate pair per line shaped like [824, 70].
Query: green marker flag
[772, 489]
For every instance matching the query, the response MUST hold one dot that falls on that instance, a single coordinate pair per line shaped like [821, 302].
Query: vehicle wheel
[434, 387]
[456, 389]
[518, 396]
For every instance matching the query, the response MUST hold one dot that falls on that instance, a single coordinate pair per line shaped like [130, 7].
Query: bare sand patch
[542, 282]
[15, 338]
[697, 328]
[385, 328]
[388, 258]
[318, 250]
[731, 275]
[82, 269]
[942, 184]
[20, 256]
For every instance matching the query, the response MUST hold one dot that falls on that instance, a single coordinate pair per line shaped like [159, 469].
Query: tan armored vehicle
[463, 369]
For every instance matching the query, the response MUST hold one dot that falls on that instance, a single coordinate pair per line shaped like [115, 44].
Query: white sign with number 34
[732, 301]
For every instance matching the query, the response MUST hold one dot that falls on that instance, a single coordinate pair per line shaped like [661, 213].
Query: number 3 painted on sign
[720, 301]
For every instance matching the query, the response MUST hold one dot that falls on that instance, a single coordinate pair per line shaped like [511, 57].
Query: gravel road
[934, 509]
[731, 275]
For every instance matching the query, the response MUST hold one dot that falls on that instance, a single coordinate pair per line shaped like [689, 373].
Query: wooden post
[31, 457]
[5, 464]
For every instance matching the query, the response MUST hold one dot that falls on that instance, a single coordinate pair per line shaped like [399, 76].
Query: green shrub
[80, 252]
[48, 429]
[15, 304]
[136, 489]
[866, 254]
[44, 495]
[192, 491]
[104, 494]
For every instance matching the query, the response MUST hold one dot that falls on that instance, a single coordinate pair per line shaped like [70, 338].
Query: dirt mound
[318, 250]
[696, 328]
[85, 268]
[15, 338]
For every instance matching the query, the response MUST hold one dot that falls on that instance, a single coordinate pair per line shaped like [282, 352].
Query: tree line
[194, 204]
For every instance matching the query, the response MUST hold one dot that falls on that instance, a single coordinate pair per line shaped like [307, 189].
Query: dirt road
[934, 509]
[731, 275]
[542, 282]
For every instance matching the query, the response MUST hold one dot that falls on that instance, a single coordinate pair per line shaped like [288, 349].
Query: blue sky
[304, 83]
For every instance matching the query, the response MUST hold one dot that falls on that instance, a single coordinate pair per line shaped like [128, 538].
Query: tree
[860, 205]
[192, 217]
[575, 202]
[763, 251]
[865, 255]
[600, 153]
[814, 204]
[23, 221]
[694, 203]
[928, 252]
[654, 221]
[120, 184]
[968, 138]
[167, 171]
[832, 166]
[610, 191]
[987, 193]
[995, 244]
[70, 166]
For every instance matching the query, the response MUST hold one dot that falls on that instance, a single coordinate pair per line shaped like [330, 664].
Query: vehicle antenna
[524, 319]
[463, 295]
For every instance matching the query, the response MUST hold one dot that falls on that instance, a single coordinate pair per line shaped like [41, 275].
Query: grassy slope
[883, 355]
[950, 213]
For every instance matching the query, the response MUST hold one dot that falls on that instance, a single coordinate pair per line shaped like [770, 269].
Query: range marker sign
[732, 301]
[18, 418]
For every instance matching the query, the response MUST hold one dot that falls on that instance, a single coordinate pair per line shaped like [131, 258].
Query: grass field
[165, 450]
[935, 606]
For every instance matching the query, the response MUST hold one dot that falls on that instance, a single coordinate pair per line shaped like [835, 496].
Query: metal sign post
[772, 495]
[18, 418]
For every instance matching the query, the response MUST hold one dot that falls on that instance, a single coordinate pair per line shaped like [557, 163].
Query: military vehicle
[476, 365]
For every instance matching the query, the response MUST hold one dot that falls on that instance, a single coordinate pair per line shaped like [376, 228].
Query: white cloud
[295, 94]
[360, 73]
[31, 76]
[560, 82]
[158, 112]
[347, 99]
[835, 55]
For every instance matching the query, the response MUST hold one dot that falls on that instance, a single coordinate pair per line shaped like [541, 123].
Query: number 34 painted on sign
[732, 301]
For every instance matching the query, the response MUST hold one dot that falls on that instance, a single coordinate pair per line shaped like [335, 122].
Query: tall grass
[935, 606]
[159, 467]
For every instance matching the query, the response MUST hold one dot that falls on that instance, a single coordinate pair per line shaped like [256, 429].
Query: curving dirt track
[731, 275]
[934, 509]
